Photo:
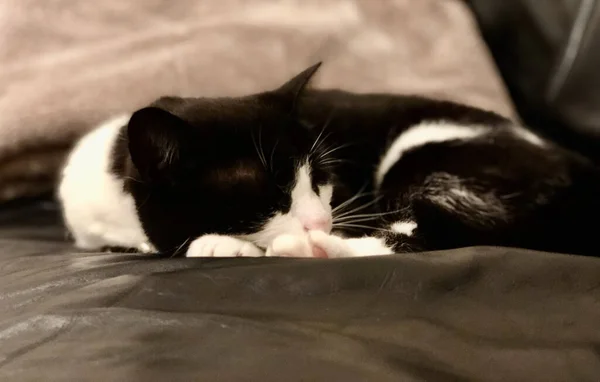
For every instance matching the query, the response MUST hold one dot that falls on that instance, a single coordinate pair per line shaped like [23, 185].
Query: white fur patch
[334, 246]
[325, 194]
[405, 228]
[467, 196]
[307, 210]
[312, 210]
[481, 202]
[420, 135]
[96, 210]
[278, 225]
[290, 246]
[99, 213]
[460, 198]
[529, 136]
[368, 246]
[222, 246]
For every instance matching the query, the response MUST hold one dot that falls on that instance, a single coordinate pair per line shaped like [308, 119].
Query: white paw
[335, 246]
[315, 244]
[290, 246]
[329, 245]
[222, 246]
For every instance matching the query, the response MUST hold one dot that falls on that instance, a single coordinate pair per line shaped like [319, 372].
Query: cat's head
[244, 167]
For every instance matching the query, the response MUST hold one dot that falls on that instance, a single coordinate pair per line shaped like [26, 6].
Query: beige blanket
[66, 65]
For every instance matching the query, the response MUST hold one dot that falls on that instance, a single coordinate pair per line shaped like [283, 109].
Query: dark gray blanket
[474, 314]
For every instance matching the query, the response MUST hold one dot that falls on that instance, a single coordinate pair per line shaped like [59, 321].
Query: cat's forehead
[219, 130]
[238, 172]
[213, 111]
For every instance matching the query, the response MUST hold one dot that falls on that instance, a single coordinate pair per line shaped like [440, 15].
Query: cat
[302, 172]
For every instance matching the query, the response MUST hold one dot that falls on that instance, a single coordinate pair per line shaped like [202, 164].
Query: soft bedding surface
[473, 314]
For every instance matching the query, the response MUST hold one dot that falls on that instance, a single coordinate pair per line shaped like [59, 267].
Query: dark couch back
[549, 55]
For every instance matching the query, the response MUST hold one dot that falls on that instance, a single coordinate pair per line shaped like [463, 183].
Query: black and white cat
[324, 173]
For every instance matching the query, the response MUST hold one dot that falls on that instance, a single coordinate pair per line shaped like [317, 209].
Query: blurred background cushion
[68, 65]
[549, 55]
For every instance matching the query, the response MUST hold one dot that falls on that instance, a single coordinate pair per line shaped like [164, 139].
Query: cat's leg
[222, 246]
[336, 246]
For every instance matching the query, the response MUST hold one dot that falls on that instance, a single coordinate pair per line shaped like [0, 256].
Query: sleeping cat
[324, 173]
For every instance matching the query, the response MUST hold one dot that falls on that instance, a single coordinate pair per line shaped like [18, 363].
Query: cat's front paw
[222, 246]
[295, 246]
[290, 246]
[336, 246]
[327, 245]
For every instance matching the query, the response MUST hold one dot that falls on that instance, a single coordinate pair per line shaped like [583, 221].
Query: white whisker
[342, 207]
[272, 153]
[353, 198]
[323, 140]
[133, 179]
[360, 208]
[317, 143]
[333, 161]
[374, 215]
[176, 252]
[262, 152]
[344, 225]
[258, 148]
[355, 220]
[331, 151]
[314, 145]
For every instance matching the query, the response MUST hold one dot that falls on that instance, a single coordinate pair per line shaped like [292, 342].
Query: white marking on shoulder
[529, 136]
[405, 228]
[96, 210]
[423, 134]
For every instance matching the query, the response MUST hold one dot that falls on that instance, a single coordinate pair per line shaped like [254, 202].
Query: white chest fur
[96, 209]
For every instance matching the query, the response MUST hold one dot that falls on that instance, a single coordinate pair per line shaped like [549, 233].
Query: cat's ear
[288, 93]
[155, 140]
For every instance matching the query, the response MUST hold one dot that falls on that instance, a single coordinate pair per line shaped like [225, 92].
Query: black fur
[196, 166]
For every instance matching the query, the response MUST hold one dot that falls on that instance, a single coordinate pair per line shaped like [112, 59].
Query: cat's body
[261, 175]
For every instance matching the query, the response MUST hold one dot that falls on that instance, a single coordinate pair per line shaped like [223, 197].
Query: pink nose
[320, 224]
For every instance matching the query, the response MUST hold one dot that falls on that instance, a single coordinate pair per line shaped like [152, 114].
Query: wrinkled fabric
[472, 314]
[68, 65]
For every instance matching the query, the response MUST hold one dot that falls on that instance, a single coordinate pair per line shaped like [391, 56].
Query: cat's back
[95, 208]
[388, 108]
